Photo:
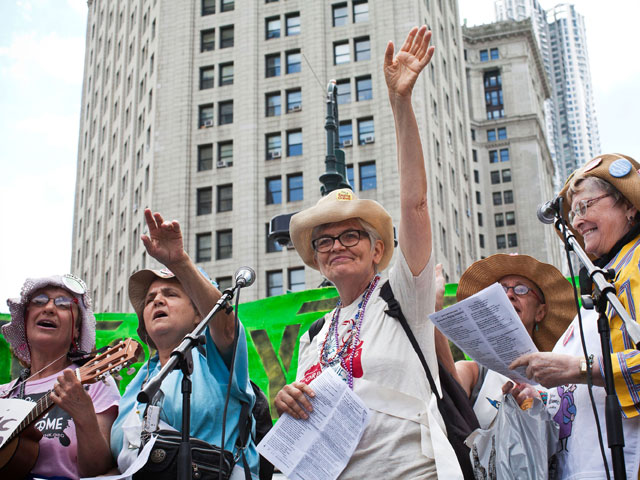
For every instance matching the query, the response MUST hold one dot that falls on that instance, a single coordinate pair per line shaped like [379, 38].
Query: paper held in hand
[486, 327]
[321, 446]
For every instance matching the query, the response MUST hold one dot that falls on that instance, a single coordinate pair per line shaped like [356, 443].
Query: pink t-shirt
[58, 446]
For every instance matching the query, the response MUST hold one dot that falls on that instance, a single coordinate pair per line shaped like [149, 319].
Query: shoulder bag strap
[244, 429]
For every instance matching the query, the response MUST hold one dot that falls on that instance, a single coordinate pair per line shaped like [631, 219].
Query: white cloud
[54, 130]
[80, 6]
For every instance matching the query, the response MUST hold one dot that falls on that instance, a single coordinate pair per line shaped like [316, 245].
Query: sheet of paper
[487, 328]
[135, 466]
[320, 447]
[12, 412]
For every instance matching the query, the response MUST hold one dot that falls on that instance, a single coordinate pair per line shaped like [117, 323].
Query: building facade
[212, 112]
[512, 166]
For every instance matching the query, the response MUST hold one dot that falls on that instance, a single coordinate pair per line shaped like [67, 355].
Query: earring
[537, 327]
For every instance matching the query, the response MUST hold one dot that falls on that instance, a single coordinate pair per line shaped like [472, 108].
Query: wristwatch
[585, 366]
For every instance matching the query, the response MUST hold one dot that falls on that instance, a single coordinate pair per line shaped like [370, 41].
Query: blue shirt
[210, 376]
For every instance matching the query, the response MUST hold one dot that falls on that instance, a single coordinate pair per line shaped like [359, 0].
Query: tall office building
[212, 112]
[512, 166]
[571, 117]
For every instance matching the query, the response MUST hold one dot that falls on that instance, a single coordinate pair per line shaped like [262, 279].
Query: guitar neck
[42, 405]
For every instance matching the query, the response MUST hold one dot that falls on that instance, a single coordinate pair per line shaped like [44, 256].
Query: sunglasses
[63, 303]
[348, 238]
[521, 290]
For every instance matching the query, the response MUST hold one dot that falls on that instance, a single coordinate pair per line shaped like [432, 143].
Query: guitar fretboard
[43, 404]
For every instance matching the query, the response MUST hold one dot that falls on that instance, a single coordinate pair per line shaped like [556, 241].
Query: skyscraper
[212, 112]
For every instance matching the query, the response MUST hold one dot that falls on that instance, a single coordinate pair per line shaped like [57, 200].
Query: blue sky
[41, 65]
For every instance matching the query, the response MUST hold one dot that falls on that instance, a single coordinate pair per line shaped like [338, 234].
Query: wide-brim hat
[139, 284]
[337, 206]
[15, 331]
[557, 291]
[619, 170]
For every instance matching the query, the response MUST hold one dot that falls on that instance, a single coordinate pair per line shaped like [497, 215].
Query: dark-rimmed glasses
[63, 303]
[348, 238]
[581, 207]
[521, 290]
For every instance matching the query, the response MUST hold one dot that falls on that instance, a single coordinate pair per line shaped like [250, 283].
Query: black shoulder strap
[315, 328]
[244, 429]
[482, 374]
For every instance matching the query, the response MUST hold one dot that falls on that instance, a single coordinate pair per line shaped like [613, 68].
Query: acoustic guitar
[20, 452]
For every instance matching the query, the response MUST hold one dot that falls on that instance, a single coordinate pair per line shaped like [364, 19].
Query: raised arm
[401, 73]
[165, 244]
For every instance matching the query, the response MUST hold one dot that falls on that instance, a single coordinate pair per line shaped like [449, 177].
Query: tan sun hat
[337, 206]
[619, 170]
[557, 291]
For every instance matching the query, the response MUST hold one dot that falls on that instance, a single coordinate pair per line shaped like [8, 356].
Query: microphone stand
[605, 294]
[181, 359]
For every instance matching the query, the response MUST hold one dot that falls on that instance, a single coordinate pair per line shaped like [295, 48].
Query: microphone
[547, 211]
[245, 276]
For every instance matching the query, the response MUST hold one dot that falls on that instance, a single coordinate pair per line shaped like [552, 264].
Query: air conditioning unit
[222, 164]
[369, 139]
[208, 123]
[276, 154]
[295, 108]
[347, 143]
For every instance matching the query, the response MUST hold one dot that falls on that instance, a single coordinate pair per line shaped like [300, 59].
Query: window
[362, 48]
[344, 91]
[274, 146]
[365, 131]
[494, 54]
[478, 198]
[484, 55]
[205, 115]
[350, 178]
[294, 143]
[274, 283]
[474, 155]
[499, 219]
[510, 218]
[227, 5]
[508, 196]
[493, 94]
[363, 88]
[368, 176]
[224, 283]
[345, 133]
[495, 177]
[512, 240]
[501, 242]
[208, 7]
[476, 176]
[273, 27]
[226, 36]
[340, 14]
[292, 21]
[481, 240]
[207, 40]
[294, 100]
[491, 135]
[294, 187]
[504, 155]
[480, 219]
[360, 11]
[502, 133]
[273, 65]
[497, 198]
[224, 198]
[225, 112]
[274, 190]
[272, 245]
[506, 175]
[226, 73]
[225, 153]
[204, 197]
[224, 244]
[296, 279]
[493, 156]
[273, 104]
[293, 61]
[206, 78]
[341, 53]
[203, 247]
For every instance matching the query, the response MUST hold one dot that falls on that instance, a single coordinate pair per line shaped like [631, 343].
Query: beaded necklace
[352, 340]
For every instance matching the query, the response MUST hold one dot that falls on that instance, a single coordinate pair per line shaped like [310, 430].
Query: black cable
[231, 368]
[582, 340]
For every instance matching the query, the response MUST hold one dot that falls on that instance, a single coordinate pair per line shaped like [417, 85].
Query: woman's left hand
[550, 369]
[69, 394]
[402, 71]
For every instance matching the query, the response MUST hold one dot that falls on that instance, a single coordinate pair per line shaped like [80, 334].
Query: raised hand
[401, 72]
[164, 241]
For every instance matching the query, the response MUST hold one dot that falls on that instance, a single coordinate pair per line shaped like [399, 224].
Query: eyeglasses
[348, 238]
[580, 209]
[63, 303]
[521, 290]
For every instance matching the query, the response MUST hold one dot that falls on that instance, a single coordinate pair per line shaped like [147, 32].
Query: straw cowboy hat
[337, 206]
[557, 291]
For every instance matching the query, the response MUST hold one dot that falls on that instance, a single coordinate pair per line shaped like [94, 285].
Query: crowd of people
[92, 430]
